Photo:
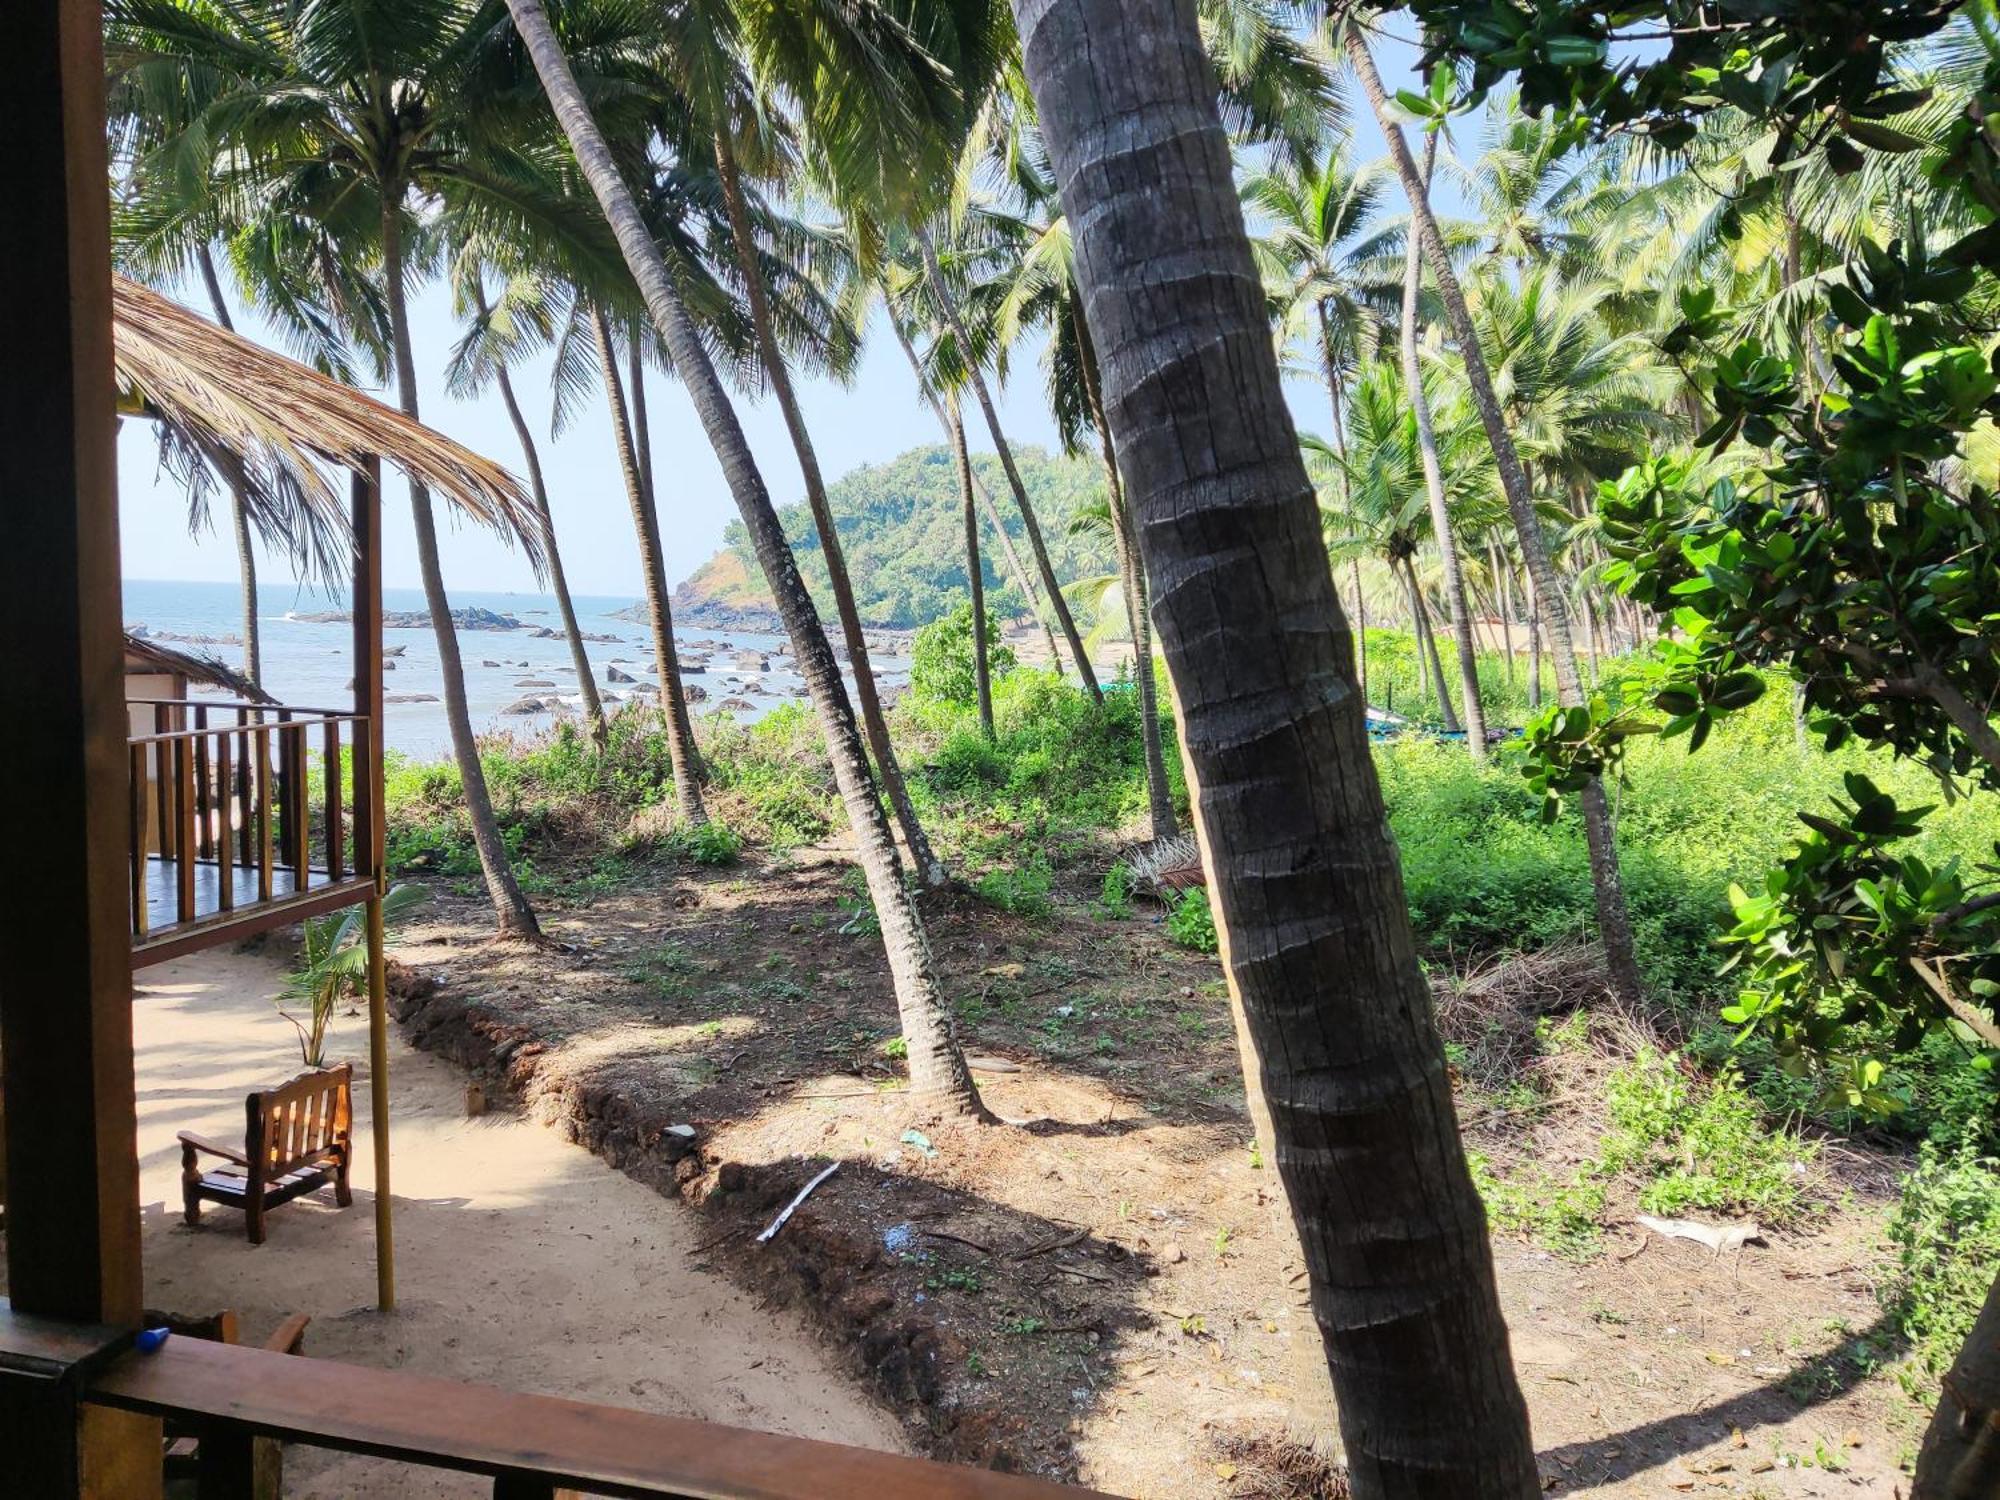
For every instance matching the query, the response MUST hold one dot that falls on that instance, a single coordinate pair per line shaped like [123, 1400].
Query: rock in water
[617, 674]
[526, 706]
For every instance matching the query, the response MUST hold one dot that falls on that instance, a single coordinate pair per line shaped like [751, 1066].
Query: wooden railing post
[335, 834]
[225, 843]
[265, 853]
[204, 835]
[137, 766]
[186, 848]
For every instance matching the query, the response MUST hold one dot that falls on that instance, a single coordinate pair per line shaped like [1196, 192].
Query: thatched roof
[271, 422]
[194, 667]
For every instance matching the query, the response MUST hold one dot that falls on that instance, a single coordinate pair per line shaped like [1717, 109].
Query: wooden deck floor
[163, 890]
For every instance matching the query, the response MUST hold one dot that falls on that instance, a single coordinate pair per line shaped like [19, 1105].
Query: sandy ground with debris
[522, 1261]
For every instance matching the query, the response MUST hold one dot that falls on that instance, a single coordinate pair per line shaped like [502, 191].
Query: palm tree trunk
[239, 515]
[1023, 579]
[875, 724]
[1132, 576]
[1534, 644]
[1427, 646]
[934, 274]
[1960, 1458]
[1441, 528]
[975, 573]
[646, 522]
[516, 917]
[1315, 932]
[593, 704]
[1502, 606]
[1614, 920]
[939, 1077]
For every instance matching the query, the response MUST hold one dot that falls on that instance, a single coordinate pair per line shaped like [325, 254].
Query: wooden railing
[531, 1447]
[240, 805]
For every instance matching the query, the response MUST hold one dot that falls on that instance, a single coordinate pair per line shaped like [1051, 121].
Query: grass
[1946, 1230]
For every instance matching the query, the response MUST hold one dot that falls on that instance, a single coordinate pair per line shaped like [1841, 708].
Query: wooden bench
[297, 1137]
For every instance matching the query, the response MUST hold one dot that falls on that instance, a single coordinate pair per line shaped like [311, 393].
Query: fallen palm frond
[271, 424]
[1166, 867]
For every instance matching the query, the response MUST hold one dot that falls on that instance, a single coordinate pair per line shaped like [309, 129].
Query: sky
[872, 419]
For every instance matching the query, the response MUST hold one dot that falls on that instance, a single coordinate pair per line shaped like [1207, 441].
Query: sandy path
[522, 1261]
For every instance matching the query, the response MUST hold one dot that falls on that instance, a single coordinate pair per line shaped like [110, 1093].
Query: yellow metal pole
[378, 1104]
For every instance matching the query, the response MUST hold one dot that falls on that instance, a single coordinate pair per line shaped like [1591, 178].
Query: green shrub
[1023, 891]
[1562, 1217]
[942, 672]
[1191, 923]
[1946, 1230]
[1699, 1145]
[709, 843]
[1114, 899]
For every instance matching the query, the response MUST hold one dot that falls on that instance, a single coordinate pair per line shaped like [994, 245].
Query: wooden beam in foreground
[601, 1450]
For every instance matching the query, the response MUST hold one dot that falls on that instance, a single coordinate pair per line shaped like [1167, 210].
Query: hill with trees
[901, 527]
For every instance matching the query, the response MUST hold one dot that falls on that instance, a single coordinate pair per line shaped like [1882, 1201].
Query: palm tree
[954, 430]
[1323, 261]
[498, 334]
[1376, 494]
[1434, 489]
[376, 119]
[1614, 920]
[938, 1072]
[777, 370]
[1038, 289]
[946, 302]
[682, 754]
[1316, 937]
[975, 572]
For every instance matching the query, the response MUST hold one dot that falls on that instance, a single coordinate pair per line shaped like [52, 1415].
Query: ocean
[311, 664]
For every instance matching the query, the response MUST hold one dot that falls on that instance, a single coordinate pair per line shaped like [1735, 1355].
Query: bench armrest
[213, 1148]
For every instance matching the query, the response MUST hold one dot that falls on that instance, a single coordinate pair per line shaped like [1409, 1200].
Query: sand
[521, 1260]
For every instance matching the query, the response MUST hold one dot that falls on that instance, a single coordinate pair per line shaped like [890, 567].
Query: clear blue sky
[874, 419]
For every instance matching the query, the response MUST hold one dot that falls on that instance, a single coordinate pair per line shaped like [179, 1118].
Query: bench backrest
[300, 1122]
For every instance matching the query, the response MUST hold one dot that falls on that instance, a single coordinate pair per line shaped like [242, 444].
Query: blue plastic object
[149, 1339]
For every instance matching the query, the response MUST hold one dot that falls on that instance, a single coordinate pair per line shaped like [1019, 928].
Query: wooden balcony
[530, 1447]
[242, 818]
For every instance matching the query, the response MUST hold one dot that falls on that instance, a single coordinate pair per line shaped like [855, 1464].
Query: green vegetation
[901, 530]
[1946, 1230]
[1191, 923]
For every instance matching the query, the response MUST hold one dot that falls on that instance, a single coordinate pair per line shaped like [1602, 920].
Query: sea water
[311, 664]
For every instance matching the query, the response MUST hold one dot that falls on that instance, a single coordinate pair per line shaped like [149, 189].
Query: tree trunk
[1315, 933]
[1023, 579]
[593, 704]
[239, 515]
[939, 1077]
[516, 917]
[982, 672]
[1441, 528]
[1960, 1458]
[977, 377]
[1614, 922]
[1427, 646]
[681, 753]
[930, 869]
[1534, 646]
[1132, 577]
[1502, 606]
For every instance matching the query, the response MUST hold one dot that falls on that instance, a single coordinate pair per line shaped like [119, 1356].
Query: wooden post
[66, 995]
[70, 1133]
[369, 845]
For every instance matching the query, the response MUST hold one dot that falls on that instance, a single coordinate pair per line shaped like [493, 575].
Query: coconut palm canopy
[231, 405]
